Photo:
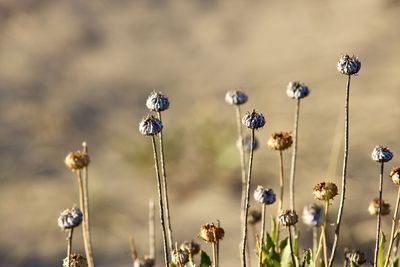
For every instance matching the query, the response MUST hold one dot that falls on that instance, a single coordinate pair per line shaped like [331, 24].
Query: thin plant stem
[246, 213]
[396, 247]
[324, 233]
[315, 239]
[322, 238]
[261, 236]
[316, 257]
[219, 225]
[134, 253]
[214, 251]
[392, 233]
[152, 235]
[294, 155]
[165, 188]
[69, 247]
[160, 201]
[378, 223]
[344, 173]
[281, 182]
[291, 245]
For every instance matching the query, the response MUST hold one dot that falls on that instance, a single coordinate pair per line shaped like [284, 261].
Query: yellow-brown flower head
[77, 160]
[395, 175]
[288, 217]
[76, 260]
[211, 233]
[374, 206]
[280, 140]
[325, 191]
[192, 247]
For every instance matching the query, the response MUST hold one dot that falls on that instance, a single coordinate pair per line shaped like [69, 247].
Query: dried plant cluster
[272, 248]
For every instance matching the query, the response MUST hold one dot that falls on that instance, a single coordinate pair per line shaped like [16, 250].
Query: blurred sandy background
[81, 70]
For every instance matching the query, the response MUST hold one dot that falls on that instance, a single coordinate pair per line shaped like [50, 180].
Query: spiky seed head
[191, 247]
[349, 65]
[381, 154]
[288, 217]
[76, 260]
[297, 90]
[395, 175]
[211, 233]
[254, 217]
[312, 215]
[235, 97]
[264, 195]
[157, 102]
[180, 256]
[325, 191]
[253, 120]
[355, 256]
[70, 218]
[247, 143]
[373, 207]
[145, 261]
[77, 160]
[150, 125]
[280, 141]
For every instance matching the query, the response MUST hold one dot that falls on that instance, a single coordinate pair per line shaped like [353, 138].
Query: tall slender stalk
[242, 162]
[261, 236]
[246, 213]
[214, 252]
[281, 182]
[392, 233]
[291, 245]
[294, 155]
[344, 173]
[378, 223]
[160, 201]
[152, 235]
[322, 240]
[315, 239]
[69, 247]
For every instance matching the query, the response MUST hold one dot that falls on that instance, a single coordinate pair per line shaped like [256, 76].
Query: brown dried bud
[211, 233]
[254, 217]
[374, 206]
[280, 141]
[192, 247]
[325, 191]
[355, 256]
[77, 160]
[76, 260]
[180, 257]
[288, 217]
[395, 175]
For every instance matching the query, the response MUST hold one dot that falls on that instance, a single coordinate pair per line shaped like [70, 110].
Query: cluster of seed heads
[312, 215]
[297, 90]
[349, 65]
[236, 98]
[381, 154]
[287, 217]
[157, 102]
[150, 125]
[264, 195]
[70, 218]
[253, 120]
[325, 191]
[280, 141]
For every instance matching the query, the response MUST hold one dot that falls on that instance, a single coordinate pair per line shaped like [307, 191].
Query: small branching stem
[261, 236]
[392, 233]
[294, 155]
[378, 222]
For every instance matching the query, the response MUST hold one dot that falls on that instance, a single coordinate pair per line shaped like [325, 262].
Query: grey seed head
[355, 256]
[157, 102]
[381, 154]
[247, 143]
[312, 215]
[180, 256]
[349, 65]
[235, 97]
[264, 195]
[70, 218]
[287, 217]
[253, 120]
[297, 90]
[145, 261]
[150, 125]
[191, 246]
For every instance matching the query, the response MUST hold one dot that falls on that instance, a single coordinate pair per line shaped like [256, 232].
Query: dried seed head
[247, 143]
[325, 191]
[77, 160]
[287, 217]
[145, 261]
[254, 217]
[395, 175]
[381, 154]
[157, 102]
[297, 90]
[312, 215]
[348, 65]
[280, 140]
[70, 218]
[374, 206]
[235, 97]
[211, 233]
[264, 195]
[76, 260]
[253, 120]
[150, 125]
[190, 246]
[355, 256]
[180, 256]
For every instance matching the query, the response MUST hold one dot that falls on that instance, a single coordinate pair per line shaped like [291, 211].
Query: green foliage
[308, 258]
[393, 262]
[204, 260]
[381, 250]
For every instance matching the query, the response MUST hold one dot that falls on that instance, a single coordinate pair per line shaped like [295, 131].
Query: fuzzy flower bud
[325, 191]
[264, 195]
[297, 90]
[191, 247]
[395, 175]
[355, 256]
[180, 257]
[235, 97]
[70, 218]
[287, 217]
[381, 154]
[157, 102]
[348, 65]
[150, 125]
[211, 233]
[280, 141]
[77, 160]
[312, 215]
[76, 260]
[145, 261]
[247, 143]
[253, 120]
[254, 217]
[374, 206]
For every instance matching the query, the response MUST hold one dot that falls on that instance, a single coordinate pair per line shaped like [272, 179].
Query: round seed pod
[235, 97]
[373, 207]
[157, 102]
[297, 90]
[280, 140]
[77, 160]
[395, 175]
[349, 65]
[76, 260]
[325, 191]
[180, 257]
[381, 154]
[192, 247]
[287, 217]
[247, 143]
[254, 217]
[70, 218]
[253, 120]
[145, 261]
[150, 125]
[211, 233]
[355, 256]
[264, 195]
[312, 215]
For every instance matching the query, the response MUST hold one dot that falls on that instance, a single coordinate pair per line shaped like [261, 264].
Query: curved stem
[242, 163]
[160, 201]
[378, 223]
[392, 233]
[291, 246]
[246, 213]
[294, 154]
[261, 236]
[69, 247]
[344, 174]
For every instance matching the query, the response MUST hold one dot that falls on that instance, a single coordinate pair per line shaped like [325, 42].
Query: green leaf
[308, 258]
[393, 262]
[274, 231]
[381, 249]
[286, 257]
[354, 264]
[204, 260]
[284, 243]
[172, 264]
[296, 243]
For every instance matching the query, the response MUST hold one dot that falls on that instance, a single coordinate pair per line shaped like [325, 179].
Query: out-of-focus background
[81, 70]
